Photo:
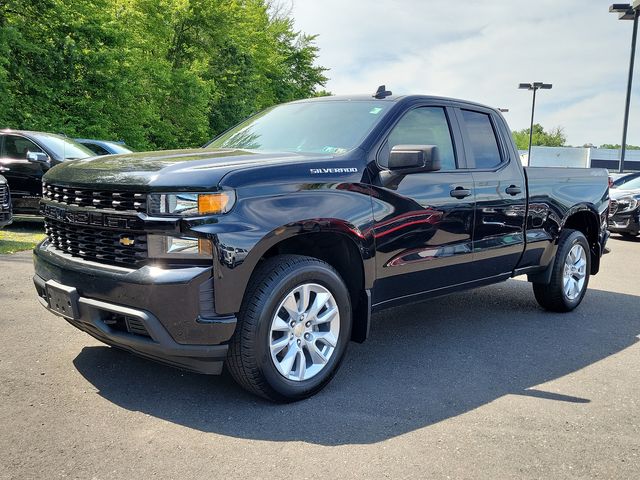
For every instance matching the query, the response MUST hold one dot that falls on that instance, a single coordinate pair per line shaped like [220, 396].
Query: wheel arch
[336, 242]
[585, 219]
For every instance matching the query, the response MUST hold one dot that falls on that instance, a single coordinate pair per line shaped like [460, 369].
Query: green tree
[554, 138]
[155, 73]
[616, 146]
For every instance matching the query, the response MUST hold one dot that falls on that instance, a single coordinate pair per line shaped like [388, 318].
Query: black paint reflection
[423, 235]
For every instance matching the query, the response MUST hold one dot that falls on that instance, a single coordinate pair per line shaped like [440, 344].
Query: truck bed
[555, 193]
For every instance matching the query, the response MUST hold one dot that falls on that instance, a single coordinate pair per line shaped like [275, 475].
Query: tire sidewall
[320, 274]
[574, 239]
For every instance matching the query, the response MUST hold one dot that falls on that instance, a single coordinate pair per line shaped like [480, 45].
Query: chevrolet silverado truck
[268, 250]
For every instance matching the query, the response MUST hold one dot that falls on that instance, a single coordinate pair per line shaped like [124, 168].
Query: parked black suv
[624, 214]
[270, 248]
[104, 147]
[5, 203]
[26, 156]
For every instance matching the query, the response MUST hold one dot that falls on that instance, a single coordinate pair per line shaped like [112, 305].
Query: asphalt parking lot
[482, 384]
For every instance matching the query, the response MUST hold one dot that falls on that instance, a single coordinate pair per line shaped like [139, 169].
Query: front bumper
[26, 205]
[164, 314]
[5, 217]
[625, 222]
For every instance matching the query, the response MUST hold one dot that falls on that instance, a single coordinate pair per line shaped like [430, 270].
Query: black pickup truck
[269, 249]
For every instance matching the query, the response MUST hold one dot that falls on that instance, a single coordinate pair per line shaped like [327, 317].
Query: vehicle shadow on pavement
[627, 239]
[423, 364]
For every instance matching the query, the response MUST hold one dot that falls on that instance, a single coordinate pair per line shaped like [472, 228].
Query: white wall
[580, 157]
[557, 157]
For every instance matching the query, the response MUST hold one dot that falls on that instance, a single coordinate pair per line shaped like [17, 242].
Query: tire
[554, 296]
[255, 359]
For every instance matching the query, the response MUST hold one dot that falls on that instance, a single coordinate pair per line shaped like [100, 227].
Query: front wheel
[293, 329]
[570, 275]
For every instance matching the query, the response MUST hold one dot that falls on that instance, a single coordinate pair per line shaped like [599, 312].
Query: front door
[24, 176]
[423, 222]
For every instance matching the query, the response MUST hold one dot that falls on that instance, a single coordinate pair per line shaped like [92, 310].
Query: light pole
[535, 86]
[627, 12]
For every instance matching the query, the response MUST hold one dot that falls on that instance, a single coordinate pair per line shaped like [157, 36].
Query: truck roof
[390, 98]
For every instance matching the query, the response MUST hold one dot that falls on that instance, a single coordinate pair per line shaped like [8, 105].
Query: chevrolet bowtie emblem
[127, 241]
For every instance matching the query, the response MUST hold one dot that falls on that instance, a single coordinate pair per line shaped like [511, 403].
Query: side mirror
[414, 158]
[37, 157]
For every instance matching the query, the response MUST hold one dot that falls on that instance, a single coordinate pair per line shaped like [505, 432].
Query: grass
[22, 234]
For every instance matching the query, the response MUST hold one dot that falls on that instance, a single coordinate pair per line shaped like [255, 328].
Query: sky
[481, 50]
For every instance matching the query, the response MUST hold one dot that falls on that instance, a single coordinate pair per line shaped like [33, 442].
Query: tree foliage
[554, 138]
[155, 73]
[616, 146]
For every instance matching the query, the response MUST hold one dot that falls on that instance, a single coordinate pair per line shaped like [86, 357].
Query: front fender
[261, 222]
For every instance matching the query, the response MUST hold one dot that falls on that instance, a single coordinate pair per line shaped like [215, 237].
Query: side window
[424, 126]
[97, 149]
[17, 147]
[482, 139]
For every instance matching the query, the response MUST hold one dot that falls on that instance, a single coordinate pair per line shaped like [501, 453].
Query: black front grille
[101, 199]
[613, 207]
[4, 194]
[97, 244]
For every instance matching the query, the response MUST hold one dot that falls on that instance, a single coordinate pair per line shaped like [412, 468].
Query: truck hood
[195, 168]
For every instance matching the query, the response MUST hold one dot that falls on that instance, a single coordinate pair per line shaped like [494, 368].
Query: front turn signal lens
[172, 247]
[205, 247]
[215, 203]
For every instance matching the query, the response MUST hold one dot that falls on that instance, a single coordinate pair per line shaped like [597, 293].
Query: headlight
[627, 204]
[191, 204]
[165, 246]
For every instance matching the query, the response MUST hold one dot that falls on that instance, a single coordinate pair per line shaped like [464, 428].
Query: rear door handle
[460, 192]
[513, 190]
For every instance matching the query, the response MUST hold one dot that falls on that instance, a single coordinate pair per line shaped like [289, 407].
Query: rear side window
[97, 149]
[483, 144]
[423, 126]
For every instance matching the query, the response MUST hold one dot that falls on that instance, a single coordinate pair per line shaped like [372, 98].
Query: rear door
[423, 222]
[500, 193]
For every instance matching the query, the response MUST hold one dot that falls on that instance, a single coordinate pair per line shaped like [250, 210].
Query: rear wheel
[293, 329]
[570, 275]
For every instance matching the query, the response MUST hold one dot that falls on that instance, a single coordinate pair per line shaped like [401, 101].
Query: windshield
[330, 127]
[631, 185]
[62, 147]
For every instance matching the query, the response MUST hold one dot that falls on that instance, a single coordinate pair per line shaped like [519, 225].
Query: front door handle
[513, 190]
[460, 192]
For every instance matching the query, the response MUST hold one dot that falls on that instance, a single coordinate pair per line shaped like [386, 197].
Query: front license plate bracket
[63, 299]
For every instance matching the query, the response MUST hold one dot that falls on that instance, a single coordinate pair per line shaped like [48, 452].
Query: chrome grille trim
[122, 201]
[102, 245]
[4, 194]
